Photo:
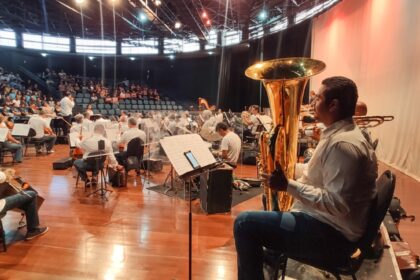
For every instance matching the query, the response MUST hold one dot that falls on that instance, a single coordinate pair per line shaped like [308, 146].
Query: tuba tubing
[285, 81]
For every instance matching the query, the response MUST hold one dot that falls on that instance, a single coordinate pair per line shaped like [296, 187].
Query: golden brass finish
[285, 81]
[371, 121]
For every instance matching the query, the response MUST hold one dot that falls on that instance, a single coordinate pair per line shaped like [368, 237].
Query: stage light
[208, 22]
[263, 15]
[158, 2]
[142, 17]
[44, 54]
[177, 25]
[204, 15]
[114, 1]
[210, 53]
[80, 1]
[171, 57]
[132, 58]
[91, 58]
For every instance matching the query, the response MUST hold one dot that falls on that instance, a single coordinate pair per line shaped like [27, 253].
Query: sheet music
[3, 134]
[21, 129]
[266, 121]
[176, 146]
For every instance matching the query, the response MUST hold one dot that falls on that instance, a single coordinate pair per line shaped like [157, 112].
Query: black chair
[351, 264]
[134, 157]
[6, 151]
[37, 143]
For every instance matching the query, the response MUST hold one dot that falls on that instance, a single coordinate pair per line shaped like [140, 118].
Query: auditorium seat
[153, 107]
[103, 112]
[147, 107]
[128, 106]
[146, 102]
[135, 107]
[79, 100]
[164, 107]
[101, 106]
[140, 102]
[108, 106]
[115, 106]
[111, 112]
[122, 106]
[94, 105]
[158, 107]
[86, 100]
[95, 111]
[100, 100]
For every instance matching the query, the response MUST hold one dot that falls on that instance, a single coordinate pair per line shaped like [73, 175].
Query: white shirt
[38, 123]
[208, 131]
[132, 133]
[90, 145]
[232, 144]
[338, 183]
[66, 106]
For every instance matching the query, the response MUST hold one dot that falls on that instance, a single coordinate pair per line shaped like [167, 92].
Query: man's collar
[335, 127]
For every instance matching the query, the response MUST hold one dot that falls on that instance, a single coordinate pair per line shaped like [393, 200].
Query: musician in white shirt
[231, 144]
[132, 132]
[67, 105]
[333, 194]
[78, 126]
[208, 131]
[43, 131]
[11, 143]
[90, 145]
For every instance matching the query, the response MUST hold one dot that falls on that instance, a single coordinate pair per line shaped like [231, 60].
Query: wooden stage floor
[137, 234]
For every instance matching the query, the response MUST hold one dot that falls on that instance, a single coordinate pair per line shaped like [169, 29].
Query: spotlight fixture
[210, 52]
[171, 57]
[80, 1]
[91, 58]
[132, 58]
[44, 54]
[142, 17]
[263, 15]
[177, 25]
[204, 14]
[208, 22]
[158, 2]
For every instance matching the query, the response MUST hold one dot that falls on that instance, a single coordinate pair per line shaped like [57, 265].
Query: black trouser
[66, 128]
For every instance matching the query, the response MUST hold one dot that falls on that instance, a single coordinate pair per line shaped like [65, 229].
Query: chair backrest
[135, 148]
[385, 190]
[32, 132]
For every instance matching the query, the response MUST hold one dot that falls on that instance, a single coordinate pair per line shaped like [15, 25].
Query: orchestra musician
[90, 145]
[67, 105]
[78, 126]
[43, 131]
[25, 200]
[333, 192]
[231, 144]
[11, 142]
[208, 131]
[132, 132]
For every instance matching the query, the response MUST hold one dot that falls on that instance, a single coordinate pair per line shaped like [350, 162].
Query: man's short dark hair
[221, 126]
[345, 91]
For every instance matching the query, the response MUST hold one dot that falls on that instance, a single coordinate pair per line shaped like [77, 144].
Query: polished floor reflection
[137, 234]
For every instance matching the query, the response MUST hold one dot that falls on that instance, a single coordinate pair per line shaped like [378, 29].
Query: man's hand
[277, 181]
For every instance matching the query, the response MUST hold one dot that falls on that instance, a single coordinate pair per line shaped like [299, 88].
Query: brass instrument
[202, 103]
[284, 80]
[371, 121]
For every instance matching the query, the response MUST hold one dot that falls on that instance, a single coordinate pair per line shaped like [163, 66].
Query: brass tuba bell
[285, 80]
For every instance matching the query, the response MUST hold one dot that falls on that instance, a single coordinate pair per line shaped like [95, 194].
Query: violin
[78, 152]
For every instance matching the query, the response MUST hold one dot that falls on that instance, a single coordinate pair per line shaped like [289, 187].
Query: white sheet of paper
[176, 146]
[20, 129]
[3, 134]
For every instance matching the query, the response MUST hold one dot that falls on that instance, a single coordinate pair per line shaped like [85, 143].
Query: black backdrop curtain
[236, 91]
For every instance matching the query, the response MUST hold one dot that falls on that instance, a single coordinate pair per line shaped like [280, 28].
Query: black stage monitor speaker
[216, 190]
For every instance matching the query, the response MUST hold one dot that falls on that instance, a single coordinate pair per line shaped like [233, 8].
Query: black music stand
[98, 159]
[189, 177]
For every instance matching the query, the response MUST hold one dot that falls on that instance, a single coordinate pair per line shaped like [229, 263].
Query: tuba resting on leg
[285, 81]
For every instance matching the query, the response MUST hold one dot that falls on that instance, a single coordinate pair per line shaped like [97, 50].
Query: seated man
[11, 143]
[90, 145]
[43, 130]
[78, 126]
[231, 144]
[26, 201]
[332, 197]
[132, 132]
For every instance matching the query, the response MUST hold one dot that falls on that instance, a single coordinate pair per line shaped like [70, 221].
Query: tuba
[285, 81]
